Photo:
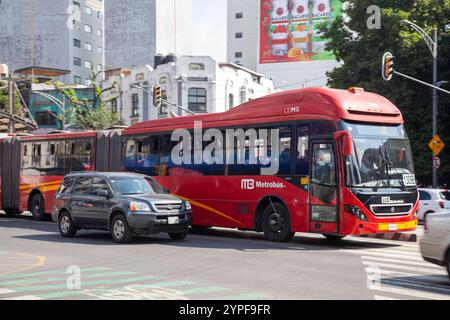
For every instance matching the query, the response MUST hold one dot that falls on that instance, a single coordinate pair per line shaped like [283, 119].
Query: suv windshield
[381, 157]
[129, 185]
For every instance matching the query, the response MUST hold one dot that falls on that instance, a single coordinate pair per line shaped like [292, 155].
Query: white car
[435, 244]
[432, 200]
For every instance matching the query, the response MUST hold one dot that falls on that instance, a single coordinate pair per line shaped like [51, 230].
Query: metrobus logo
[250, 184]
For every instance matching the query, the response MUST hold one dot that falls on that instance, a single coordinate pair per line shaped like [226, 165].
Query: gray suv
[122, 203]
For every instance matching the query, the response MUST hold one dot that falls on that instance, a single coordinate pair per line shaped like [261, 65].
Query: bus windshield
[381, 157]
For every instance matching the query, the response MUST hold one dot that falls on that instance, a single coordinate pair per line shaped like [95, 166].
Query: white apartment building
[197, 83]
[246, 20]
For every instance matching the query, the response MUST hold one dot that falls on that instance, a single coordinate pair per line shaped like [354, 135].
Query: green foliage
[4, 99]
[95, 114]
[360, 51]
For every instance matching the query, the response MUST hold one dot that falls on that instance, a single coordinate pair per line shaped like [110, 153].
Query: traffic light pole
[421, 82]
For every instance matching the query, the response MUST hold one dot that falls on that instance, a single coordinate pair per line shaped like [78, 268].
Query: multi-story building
[137, 30]
[281, 39]
[63, 34]
[196, 83]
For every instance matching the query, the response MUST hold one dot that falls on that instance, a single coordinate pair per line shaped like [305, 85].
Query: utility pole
[435, 102]
[11, 87]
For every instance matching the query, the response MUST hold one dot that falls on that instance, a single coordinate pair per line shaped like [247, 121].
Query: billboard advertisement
[290, 29]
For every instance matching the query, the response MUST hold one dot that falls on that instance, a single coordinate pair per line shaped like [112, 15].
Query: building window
[163, 110]
[239, 15]
[230, 101]
[77, 61]
[100, 50]
[238, 35]
[77, 43]
[238, 54]
[77, 80]
[87, 28]
[100, 15]
[196, 66]
[45, 118]
[114, 105]
[139, 77]
[87, 81]
[88, 46]
[163, 80]
[87, 64]
[135, 105]
[100, 32]
[100, 67]
[88, 10]
[76, 4]
[197, 100]
[243, 95]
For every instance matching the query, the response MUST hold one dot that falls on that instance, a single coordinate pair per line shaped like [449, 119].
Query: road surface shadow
[431, 284]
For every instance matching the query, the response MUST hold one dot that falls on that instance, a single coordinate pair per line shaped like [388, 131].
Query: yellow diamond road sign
[436, 145]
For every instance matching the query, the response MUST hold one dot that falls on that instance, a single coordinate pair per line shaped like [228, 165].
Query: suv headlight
[187, 206]
[139, 207]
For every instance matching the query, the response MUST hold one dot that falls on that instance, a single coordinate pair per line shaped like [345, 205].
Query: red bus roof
[304, 104]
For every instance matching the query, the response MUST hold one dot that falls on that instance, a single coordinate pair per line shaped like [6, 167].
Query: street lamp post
[433, 46]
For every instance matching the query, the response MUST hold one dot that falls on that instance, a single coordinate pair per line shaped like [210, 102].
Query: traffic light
[387, 69]
[157, 95]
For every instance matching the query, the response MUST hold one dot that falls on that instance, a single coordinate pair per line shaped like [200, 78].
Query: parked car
[121, 203]
[432, 200]
[435, 244]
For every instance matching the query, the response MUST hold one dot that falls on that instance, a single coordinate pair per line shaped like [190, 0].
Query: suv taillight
[441, 204]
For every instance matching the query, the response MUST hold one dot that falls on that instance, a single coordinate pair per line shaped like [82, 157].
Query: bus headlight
[355, 211]
[139, 207]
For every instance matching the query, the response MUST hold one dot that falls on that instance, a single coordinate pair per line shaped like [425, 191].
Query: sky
[209, 30]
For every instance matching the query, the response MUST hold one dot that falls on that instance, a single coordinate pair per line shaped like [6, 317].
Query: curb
[407, 237]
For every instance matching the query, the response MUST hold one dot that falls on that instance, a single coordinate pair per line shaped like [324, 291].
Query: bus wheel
[333, 237]
[37, 207]
[276, 223]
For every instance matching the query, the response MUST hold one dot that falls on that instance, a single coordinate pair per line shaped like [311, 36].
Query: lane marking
[89, 276]
[6, 291]
[377, 297]
[86, 284]
[385, 255]
[408, 274]
[40, 273]
[39, 263]
[418, 284]
[24, 298]
[394, 266]
[423, 264]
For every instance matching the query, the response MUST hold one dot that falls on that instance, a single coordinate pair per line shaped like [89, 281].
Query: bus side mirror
[346, 142]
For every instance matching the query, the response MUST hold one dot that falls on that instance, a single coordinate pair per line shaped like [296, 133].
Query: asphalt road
[36, 263]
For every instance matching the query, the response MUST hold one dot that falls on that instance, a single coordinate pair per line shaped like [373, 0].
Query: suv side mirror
[103, 193]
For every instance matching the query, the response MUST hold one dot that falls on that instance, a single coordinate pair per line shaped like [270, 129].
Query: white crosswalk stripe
[398, 272]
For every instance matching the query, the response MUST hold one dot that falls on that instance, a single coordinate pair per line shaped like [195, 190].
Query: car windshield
[130, 185]
[445, 195]
[381, 157]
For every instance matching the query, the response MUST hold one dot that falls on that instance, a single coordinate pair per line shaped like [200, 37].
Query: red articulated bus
[340, 164]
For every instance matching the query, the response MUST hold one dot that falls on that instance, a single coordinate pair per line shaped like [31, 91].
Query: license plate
[392, 227]
[174, 220]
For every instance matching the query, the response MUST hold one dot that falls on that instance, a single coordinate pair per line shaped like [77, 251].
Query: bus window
[285, 152]
[79, 155]
[302, 163]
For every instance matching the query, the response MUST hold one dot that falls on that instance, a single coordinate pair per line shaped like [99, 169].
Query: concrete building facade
[63, 34]
[137, 30]
[244, 42]
[197, 83]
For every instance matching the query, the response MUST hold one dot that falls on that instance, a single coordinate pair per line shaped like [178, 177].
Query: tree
[360, 49]
[4, 99]
[95, 114]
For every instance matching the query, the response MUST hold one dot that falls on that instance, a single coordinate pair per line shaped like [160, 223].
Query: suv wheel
[37, 207]
[447, 263]
[276, 223]
[67, 227]
[178, 236]
[120, 230]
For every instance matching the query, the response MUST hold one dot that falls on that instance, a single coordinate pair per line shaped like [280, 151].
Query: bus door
[324, 203]
[10, 174]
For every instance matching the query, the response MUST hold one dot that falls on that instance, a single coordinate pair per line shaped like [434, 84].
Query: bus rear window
[445, 195]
